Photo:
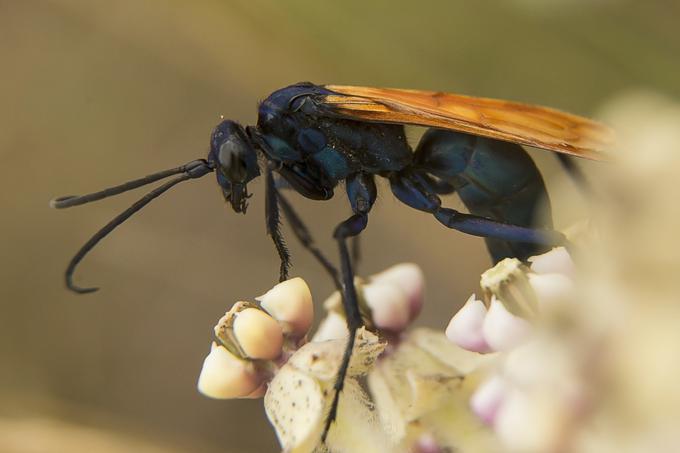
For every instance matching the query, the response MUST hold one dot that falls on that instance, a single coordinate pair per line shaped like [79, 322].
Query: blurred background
[95, 93]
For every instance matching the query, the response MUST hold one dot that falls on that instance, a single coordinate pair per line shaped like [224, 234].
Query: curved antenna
[75, 200]
[193, 170]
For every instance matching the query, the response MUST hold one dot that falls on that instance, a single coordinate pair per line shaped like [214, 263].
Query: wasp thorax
[235, 161]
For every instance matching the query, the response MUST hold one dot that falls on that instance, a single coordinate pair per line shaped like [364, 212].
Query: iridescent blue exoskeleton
[310, 138]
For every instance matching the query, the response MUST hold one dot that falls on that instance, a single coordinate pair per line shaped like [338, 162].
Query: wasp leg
[360, 189]
[273, 220]
[410, 191]
[356, 252]
[350, 227]
[304, 236]
[362, 193]
[438, 186]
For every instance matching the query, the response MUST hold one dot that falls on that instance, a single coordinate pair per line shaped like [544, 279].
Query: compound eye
[230, 159]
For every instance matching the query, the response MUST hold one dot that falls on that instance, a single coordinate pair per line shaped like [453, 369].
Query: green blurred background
[94, 93]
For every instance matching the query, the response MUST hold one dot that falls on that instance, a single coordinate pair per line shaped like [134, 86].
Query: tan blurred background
[93, 93]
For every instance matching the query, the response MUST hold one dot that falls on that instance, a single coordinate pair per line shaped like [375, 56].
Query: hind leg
[409, 189]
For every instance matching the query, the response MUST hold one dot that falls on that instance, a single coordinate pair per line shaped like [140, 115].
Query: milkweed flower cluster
[529, 382]
[262, 349]
[417, 387]
[390, 301]
[515, 295]
[420, 384]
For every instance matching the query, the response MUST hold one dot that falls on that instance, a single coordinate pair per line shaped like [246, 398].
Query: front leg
[273, 220]
[303, 235]
[361, 192]
[305, 185]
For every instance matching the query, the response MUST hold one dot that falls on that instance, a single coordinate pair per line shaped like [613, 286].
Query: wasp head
[235, 161]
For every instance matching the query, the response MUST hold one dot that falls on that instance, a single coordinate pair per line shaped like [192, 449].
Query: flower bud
[551, 288]
[409, 278]
[531, 423]
[226, 376]
[465, 328]
[258, 334]
[555, 261]
[488, 398]
[503, 330]
[332, 327]
[389, 305]
[290, 303]
[426, 443]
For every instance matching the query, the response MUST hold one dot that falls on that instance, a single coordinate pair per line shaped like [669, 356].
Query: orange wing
[525, 124]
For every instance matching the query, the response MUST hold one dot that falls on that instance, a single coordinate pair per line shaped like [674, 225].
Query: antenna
[192, 170]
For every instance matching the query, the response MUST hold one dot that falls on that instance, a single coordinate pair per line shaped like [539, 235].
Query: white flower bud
[465, 328]
[555, 261]
[290, 303]
[332, 327]
[551, 288]
[503, 330]
[531, 423]
[389, 305]
[226, 376]
[409, 277]
[258, 334]
[488, 398]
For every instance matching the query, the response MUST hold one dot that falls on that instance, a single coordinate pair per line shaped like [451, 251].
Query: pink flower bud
[389, 305]
[488, 398]
[408, 277]
[465, 328]
[427, 443]
[226, 376]
[503, 330]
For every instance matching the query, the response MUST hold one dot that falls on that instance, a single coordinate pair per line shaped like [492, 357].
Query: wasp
[311, 138]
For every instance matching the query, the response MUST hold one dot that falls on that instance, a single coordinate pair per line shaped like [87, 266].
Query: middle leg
[362, 193]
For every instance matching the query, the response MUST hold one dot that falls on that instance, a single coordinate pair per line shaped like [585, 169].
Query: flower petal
[409, 277]
[465, 328]
[555, 261]
[290, 303]
[502, 330]
[551, 288]
[226, 376]
[389, 305]
[488, 398]
[259, 335]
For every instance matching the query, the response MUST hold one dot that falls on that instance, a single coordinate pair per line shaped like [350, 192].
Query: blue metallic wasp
[314, 137]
